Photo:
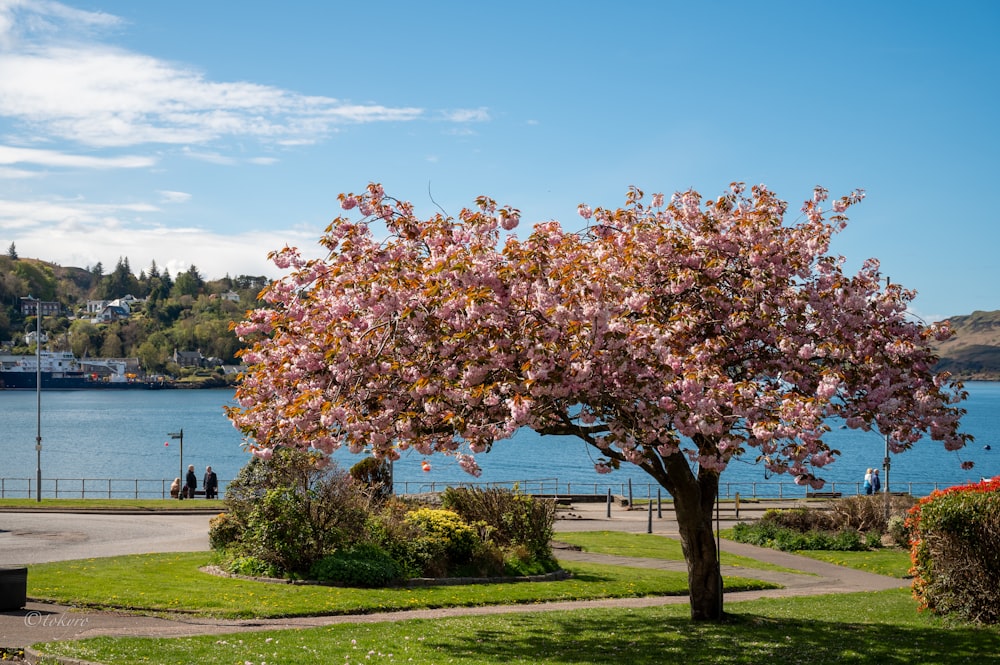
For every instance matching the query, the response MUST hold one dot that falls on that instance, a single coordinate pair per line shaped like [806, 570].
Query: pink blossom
[712, 319]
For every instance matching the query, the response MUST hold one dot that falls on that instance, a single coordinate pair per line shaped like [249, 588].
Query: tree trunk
[694, 499]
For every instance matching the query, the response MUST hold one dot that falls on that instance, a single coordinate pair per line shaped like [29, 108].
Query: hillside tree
[677, 337]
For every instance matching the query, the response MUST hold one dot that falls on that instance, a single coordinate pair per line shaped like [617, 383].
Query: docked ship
[61, 370]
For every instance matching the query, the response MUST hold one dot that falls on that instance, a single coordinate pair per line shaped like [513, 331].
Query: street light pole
[885, 488]
[179, 435]
[38, 397]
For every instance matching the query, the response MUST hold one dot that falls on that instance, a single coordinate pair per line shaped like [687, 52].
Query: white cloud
[14, 155]
[468, 115]
[210, 157]
[75, 233]
[15, 174]
[64, 216]
[120, 98]
[168, 196]
[21, 18]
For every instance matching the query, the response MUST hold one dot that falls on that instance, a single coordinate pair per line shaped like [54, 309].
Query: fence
[90, 488]
[140, 488]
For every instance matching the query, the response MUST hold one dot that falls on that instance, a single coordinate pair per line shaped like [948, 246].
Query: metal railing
[156, 488]
[90, 488]
[746, 490]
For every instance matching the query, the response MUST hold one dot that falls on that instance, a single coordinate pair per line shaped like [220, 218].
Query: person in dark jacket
[190, 483]
[211, 483]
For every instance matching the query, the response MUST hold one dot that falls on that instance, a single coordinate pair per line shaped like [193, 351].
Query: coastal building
[29, 306]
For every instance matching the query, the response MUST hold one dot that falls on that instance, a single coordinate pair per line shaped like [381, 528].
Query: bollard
[659, 504]
[630, 503]
[609, 503]
[649, 519]
[737, 505]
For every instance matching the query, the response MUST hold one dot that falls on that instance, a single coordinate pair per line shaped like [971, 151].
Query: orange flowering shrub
[956, 551]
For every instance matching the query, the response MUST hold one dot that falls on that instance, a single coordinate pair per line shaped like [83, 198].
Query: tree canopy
[675, 336]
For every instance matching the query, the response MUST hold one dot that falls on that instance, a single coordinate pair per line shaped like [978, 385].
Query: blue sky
[209, 133]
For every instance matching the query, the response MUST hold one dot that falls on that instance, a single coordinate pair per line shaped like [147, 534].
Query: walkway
[40, 622]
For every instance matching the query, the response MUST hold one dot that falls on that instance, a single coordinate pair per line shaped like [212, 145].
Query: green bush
[375, 475]
[290, 511]
[899, 531]
[512, 518]
[362, 565]
[224, 530]
[251, 566]
[445, 540]
[956, 552]
[802, 519]
[768, 534]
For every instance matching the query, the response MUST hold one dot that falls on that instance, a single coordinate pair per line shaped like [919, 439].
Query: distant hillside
[973, 353]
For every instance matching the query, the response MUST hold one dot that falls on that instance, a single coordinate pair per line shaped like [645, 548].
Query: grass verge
[891, 562]
[163, 583]
[881, 627]
[649, 546]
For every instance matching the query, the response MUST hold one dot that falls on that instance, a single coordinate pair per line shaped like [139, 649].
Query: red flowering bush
[956, 551]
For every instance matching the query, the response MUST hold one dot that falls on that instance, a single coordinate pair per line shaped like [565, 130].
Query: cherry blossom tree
[676, 336]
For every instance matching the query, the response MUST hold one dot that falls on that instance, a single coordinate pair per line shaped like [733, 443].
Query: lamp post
[885, 487]
[179, 435]
[38, 397]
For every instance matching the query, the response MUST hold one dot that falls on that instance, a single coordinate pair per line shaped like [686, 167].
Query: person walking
[190, 483]
[211, 483]
[868, 481]
[876, 483]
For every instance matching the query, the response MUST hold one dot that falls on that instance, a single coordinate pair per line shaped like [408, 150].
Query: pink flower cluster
[691, 332]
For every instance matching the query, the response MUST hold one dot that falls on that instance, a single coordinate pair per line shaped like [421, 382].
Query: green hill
[185, 313]
[166, 314]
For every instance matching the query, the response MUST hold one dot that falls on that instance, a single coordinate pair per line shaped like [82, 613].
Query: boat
[61, 370]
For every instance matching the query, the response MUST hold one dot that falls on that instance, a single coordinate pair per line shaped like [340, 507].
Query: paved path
[40, 622]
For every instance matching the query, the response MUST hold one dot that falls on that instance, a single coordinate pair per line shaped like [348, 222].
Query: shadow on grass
[663, 637]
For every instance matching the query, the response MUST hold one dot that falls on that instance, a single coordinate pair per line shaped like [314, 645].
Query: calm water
[125, 435]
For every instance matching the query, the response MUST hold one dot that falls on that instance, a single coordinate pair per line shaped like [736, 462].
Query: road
[33, 536]
[38, 537]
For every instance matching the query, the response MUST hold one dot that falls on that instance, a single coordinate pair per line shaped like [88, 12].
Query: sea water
[135, 434]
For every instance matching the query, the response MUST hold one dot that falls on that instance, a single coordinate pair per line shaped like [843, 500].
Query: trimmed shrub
[801, 519]
[769, 534]
[956, 552]
[362, 565]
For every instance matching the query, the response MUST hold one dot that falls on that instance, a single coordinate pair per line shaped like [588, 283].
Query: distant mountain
[973, 352]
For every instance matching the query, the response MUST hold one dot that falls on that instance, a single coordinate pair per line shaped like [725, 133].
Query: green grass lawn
[881, 627]
[891, 562]
[648, 546]
[172, 582]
